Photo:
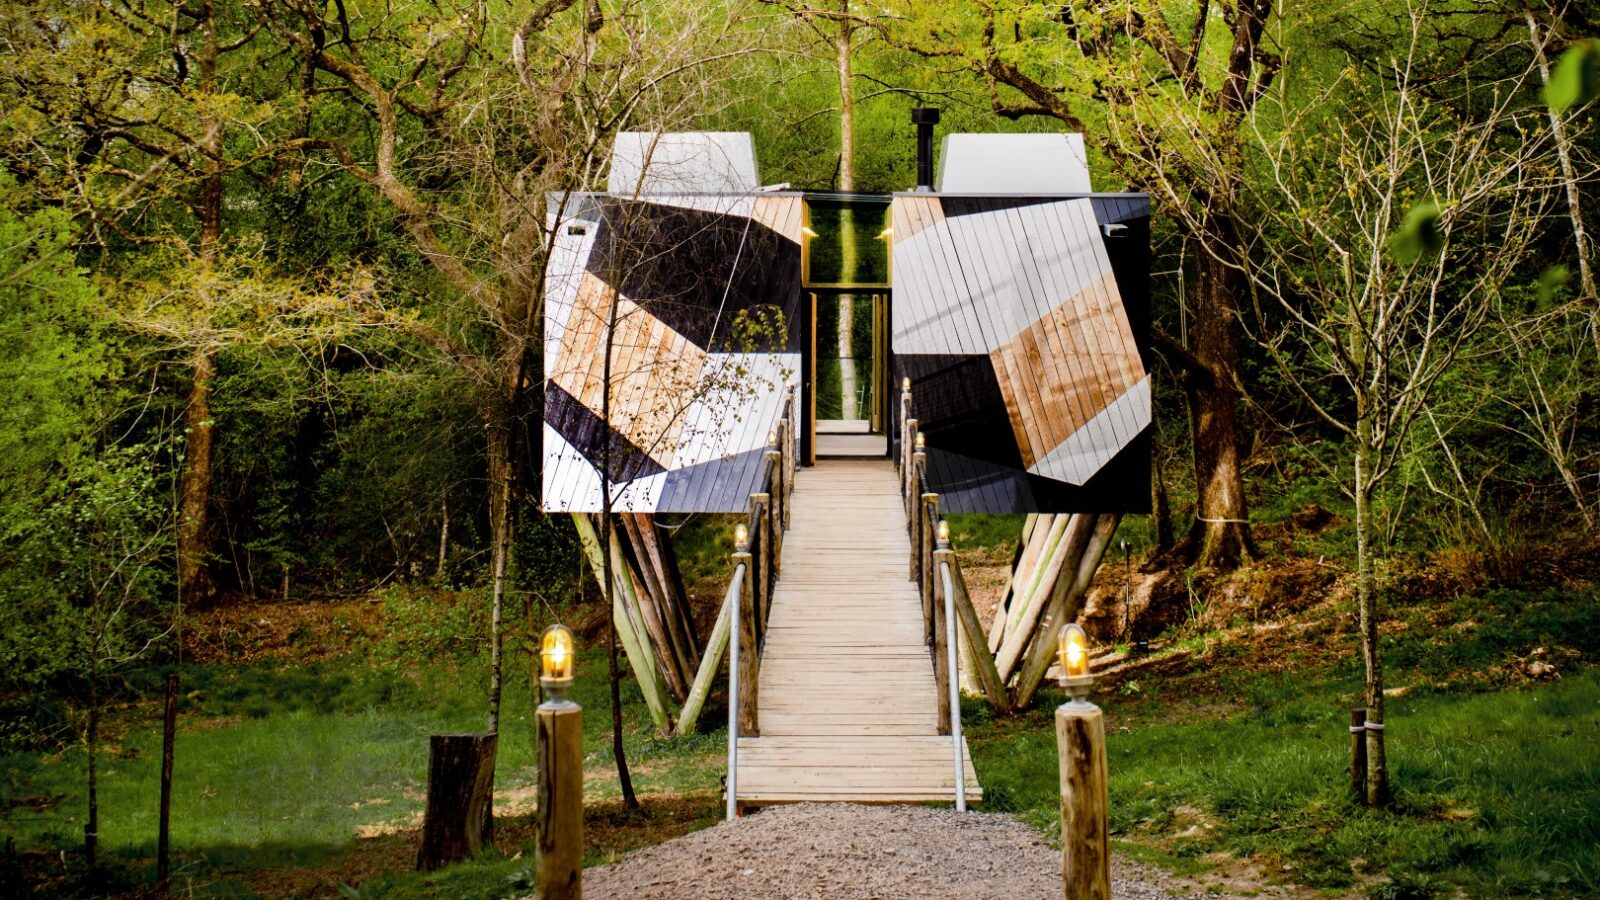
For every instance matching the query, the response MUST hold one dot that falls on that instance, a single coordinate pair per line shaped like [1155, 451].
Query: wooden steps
[847, 693]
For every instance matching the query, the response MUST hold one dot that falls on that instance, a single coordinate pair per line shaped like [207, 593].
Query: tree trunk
[848, 381]
[444, 538]
[195, 588]
[630, 802]
[459, 821]
[1160, 508]
[1366, 602]
[1221, 533]
[91, 830]
[500, 450]
[195, 585]
[1563, 141]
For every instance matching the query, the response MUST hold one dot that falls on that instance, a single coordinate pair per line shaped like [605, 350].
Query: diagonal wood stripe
[909, 215]
[655, 372]
[781, 214]
[1091, 373]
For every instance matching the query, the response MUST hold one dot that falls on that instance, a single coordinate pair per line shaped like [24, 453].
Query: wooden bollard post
[558, 854]
[1085, 811]
[1358, 755]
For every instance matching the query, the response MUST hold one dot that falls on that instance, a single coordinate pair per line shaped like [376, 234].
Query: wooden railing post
[914, 509]
[749, 660]
[929, 507]
[909, 469]
[763, 561]
[941, 647]
[777, 488]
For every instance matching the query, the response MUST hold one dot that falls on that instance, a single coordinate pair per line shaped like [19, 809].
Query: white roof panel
[1013, 164]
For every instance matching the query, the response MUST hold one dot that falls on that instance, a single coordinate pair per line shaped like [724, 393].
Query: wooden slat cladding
[1054, 407]
[652, 368]
[781, 214]
[1027, 286]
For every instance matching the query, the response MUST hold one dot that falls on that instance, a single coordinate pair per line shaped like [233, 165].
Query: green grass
[1497, 793]
[994, 532]
[280, 767]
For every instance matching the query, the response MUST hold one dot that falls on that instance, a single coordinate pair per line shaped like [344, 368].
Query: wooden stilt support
[981, 662]
[710, 661]
[635, 643]
[1064, 608]
[1063, 545]
[646, 589]
[997, 627]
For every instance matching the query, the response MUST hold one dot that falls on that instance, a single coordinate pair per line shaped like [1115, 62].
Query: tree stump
[459, 820]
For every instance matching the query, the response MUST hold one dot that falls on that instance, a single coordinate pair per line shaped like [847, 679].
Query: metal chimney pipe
[924, 117]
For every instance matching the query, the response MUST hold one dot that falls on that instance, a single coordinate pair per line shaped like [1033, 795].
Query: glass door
[846, 271]
[850, 368]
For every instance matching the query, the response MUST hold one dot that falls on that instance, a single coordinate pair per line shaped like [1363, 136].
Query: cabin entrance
[846, 277]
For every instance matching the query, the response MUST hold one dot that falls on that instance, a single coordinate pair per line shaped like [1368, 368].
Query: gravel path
[839, 851]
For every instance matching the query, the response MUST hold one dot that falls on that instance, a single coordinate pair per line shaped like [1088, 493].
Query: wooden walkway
[847, 693]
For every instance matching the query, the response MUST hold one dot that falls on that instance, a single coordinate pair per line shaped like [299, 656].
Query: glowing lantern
[555, 660]
[1072, 653]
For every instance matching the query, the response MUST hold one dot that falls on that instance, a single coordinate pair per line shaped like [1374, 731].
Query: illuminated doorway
[846, 275]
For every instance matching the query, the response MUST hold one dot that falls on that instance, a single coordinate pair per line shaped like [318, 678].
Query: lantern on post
[1072, 654]
[558, 854]
[1081, 745]
[555, 661]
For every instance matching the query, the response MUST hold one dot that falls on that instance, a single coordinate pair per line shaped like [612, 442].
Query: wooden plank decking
[847, 694]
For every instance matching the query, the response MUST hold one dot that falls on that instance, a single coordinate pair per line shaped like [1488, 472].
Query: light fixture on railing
[922, 442]
[905, 385]
[1072, 653]
[555, 661]
[741, 538]
[944, 535]
[772, 439]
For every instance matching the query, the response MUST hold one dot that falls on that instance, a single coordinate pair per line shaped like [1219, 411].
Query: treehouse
[1014, 299]
[843, 370]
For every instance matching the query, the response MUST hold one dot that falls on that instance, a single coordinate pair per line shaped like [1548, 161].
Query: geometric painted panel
[671, 346]
[1011, 319]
